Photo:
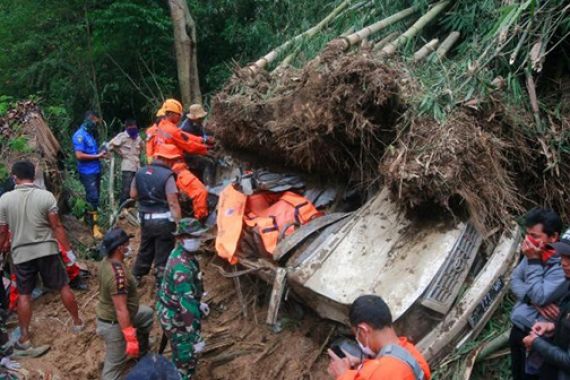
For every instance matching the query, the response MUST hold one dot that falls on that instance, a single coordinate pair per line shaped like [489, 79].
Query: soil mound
[459, 159]
[335, 116]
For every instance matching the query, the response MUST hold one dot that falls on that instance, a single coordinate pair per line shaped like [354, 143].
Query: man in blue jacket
[88, 157]
[551, 340]
[538, 282]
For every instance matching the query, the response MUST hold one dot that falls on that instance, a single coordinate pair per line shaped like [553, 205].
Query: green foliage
[5, 102]
[19, 144]
[4, 173]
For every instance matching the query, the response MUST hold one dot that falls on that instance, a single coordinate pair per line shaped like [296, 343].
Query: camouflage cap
[189, 226]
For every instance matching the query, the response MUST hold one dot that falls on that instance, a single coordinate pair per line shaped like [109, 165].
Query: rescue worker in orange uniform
[167, 132]
[151, 132]
[388, 356]
[190, 185]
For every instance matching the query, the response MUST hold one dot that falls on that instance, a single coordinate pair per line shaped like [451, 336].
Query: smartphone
[336, 349]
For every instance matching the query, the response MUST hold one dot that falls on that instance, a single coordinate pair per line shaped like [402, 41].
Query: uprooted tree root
[459, 159]
[336, 116]
[24, 134]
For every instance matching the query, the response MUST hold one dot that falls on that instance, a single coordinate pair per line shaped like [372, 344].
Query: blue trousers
[91, 183]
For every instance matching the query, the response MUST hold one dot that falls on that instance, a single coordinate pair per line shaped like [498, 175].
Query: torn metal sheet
[379, 252]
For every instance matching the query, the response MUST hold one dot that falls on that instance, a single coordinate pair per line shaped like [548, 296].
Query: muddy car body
[441, 278]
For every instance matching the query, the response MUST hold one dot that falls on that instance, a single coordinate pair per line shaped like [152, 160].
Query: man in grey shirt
[31, 215]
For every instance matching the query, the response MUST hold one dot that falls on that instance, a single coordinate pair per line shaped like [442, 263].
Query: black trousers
[126, 179]
[157, 242]
[518, 355]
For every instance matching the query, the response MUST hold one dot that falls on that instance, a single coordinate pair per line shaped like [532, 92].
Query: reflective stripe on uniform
[400, 353]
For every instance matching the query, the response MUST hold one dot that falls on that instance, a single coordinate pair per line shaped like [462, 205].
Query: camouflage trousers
[186, 349]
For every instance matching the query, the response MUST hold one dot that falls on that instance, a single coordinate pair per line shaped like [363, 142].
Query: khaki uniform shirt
[25, 210]
[115, 279]
[129, 149]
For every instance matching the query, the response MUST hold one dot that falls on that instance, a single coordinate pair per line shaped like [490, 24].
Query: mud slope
[238, 348]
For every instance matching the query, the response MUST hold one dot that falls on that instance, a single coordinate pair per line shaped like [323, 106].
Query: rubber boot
[97, 234]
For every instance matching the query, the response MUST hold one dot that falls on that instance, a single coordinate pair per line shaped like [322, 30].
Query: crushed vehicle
[441, 278]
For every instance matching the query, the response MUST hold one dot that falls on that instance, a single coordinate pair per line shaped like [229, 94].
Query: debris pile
[335, 116]
[460, 158]
[24, 134]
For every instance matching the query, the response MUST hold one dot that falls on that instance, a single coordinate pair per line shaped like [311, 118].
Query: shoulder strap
[400, 353]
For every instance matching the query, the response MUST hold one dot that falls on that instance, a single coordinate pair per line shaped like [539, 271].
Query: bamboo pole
[357, 37]
[446, 45]
[112, 187]
[426, 50]
[270, 57]
[389, 38]
[287, 61]
[391, 48]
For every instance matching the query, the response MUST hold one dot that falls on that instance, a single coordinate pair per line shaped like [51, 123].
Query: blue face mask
[133, 132]
[89, 125]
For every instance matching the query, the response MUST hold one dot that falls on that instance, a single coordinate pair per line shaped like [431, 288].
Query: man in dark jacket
[537, 282]
[155, 188]
[551, 340]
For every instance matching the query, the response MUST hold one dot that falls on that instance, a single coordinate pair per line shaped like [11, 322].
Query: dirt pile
[238, 348]
[335, 116]
[460, 160]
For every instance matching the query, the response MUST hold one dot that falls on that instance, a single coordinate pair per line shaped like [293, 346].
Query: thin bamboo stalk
[426, 50]
[446, 45]
[391, 48]
[531, 88]
[376, 27]
[270, 57]
[287, 61]
[389, 38]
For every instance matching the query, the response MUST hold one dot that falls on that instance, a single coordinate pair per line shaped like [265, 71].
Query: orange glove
[130, 334]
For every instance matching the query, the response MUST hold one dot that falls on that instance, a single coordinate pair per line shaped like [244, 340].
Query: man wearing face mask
[179, 307]
[88, 157]
[552, 339]
[538, 282]
[387, 356]
[129, 145]
[123, 324]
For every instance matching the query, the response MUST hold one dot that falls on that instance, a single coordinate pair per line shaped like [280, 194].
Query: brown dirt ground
[238, 348]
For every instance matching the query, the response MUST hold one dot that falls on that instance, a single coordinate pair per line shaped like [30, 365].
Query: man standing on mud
[89, 167]
[31, 214]
[122, 322]
[155, 188]
[179, 307]
[129, 146]
[537, 282]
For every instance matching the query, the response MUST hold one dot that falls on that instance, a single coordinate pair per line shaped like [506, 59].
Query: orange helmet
[160, 112]
[172, 105]
[168, 151]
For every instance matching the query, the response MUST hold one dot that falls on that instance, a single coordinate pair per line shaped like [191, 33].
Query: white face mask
[191, 245]
[365, 350]
[129, 252]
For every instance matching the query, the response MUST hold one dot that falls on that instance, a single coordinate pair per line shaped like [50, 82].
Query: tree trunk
[186, 52]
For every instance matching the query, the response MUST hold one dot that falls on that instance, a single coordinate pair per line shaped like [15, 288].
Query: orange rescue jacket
[231, 208]
[388, 367]
[190, 185]
[168, 133]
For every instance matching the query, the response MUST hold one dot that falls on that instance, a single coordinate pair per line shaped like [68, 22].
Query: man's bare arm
[174, 206]
[4, 238]
[59, 231]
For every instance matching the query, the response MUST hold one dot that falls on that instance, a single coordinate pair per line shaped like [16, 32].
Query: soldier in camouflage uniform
[179, 307]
